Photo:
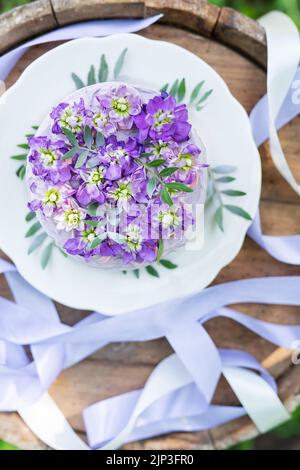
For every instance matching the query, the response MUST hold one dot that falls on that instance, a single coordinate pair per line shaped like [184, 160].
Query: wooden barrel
[236, 47]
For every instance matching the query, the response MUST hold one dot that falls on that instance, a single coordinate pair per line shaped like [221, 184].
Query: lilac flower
[91, 188]
[122, 105]
[102, 122]
[118, 156]
[168, 149]
[72, 117]
[163, 119]
[80, 244]
[137, 246]
[70, 217]
[46, 159]
[48, 198]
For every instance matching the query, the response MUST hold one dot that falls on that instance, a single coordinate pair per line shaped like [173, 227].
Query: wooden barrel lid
[235, 46]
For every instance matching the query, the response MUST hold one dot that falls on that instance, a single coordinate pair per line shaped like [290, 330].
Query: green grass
[253, 8]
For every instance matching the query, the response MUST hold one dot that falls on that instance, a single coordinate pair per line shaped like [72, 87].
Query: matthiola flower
[163, 119]
[70, 217]
[48, 198]
[122, 104]
[69, 116]
[121, 192]
[91, 188]
[163, 148]
[118, 157]
[80, 244]
[102, 122]
[136, 245]
[46, 159]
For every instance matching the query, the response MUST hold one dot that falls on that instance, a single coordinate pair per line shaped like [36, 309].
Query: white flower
[70, 217]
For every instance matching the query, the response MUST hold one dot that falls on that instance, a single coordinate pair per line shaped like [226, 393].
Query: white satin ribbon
[283, 60]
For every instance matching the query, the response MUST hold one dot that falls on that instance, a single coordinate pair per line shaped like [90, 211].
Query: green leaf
[233, 192]
[99, 139]
[179, 187]
[21, 172]
[151, 186]
[174, 88]
[156, 163]
[81, 159]
[204, 97]
[70, 136]
[196, 91]
[92, 162]
[238, 211]
[168, 264]
[152, 271]
[88, 136]
[19, 158]
[165, 87]
[37, 242]
[78, 82]
[119, 64]
[46, 255]
[92, 223]
[23, 146]
[219, 218]
[181, 90]
[160, 250]
[145, 155]
[35, 128]
[96, 242]
[62, 252]
[30, 216]
[103, 71]
[225, 179]
[91, 80]
[168, 171]
[136, 272]
[165, 196]
[92, 209]
[33, 230]
[70, 153]
[223, 169]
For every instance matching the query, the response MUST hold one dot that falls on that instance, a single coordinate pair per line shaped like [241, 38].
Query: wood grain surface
[122, 367]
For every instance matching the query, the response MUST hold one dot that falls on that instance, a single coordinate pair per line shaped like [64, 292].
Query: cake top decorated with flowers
[113, 172]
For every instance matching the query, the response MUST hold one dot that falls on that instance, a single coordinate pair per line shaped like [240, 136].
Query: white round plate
[223, 125]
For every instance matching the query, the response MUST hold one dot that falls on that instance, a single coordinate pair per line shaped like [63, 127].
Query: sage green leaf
[136, 272]
[92, 162]
[196, 91]
[152, 271]
[91, 80]
[70, 136]
[119, 64]
[30, 216]
[33, 230]
[165, 196]
[168, 264]
[179, 187]
[225, 179]
[156, 163]
[23, 146]
[160, 250]
[174, 88]
[81, 159]
[223, 169]
[233, 192]
[62, 252]
[78, 82]
[35, 128]
[99, 139]
[219, 218]
[145, 155]
[46, 255]
[181, 90]
[204, 97]
[151, 186]
[92, 209]
[70, 153]
[103, 71]
[37, 242]
[96, 242]
[165, 87]
[238, 211]
[19, 158]
[168, 171]
[92, 223]
[21, 172]
[88, 136]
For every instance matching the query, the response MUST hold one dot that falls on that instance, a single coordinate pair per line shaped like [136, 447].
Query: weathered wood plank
[243, 34]
[24, 22]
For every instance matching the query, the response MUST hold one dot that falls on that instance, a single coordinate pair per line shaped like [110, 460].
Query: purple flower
[102, 122]
[69, 116]
[163, 119]
[46, 159]
[48, 198]
[122, 104]
[91, 189]
[118, 157]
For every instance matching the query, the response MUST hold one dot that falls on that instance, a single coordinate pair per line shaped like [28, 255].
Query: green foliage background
[253, 8]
